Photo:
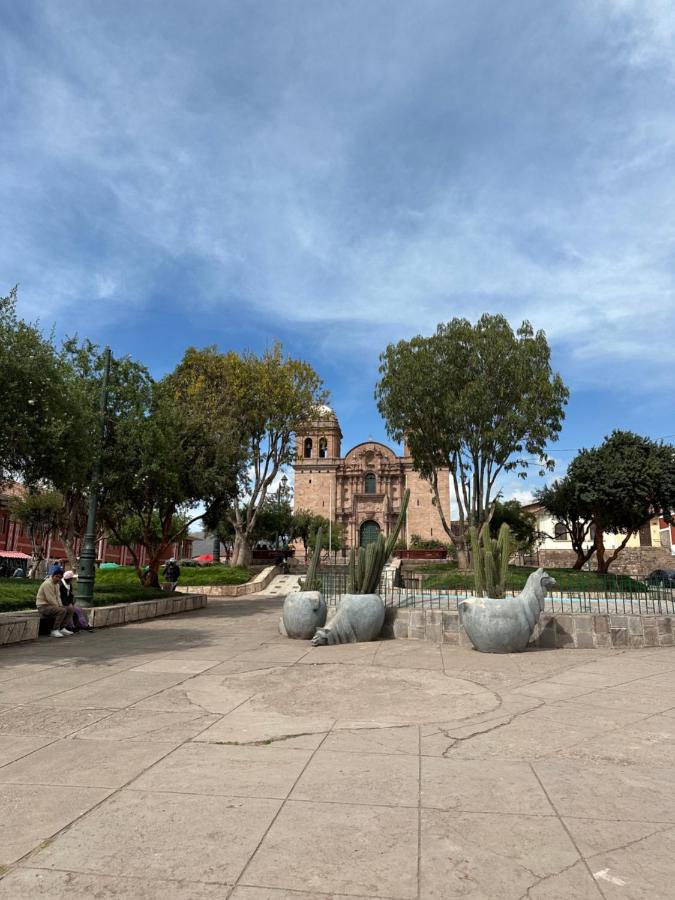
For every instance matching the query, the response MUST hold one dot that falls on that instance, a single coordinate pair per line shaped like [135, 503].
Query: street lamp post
[281, 495]
[86, 573]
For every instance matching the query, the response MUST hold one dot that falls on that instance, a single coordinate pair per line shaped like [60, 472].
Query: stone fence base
[583, 631]
[634, 561]
[259, 583]
[25, 625]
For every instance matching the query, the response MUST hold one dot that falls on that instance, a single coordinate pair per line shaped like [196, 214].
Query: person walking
[48, 602]
[172, 573]
[80, 621]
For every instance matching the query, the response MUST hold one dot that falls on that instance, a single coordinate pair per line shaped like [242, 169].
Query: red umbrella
[205, 557]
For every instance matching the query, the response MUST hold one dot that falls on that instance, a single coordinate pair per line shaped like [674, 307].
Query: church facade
[362, 490]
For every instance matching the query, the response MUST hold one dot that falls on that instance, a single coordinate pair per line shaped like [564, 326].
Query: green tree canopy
[522, 523]
[305, 525]
[265, 398]
[562, 500]
[43, 427]
[164, 465]
[478, 400]
[621, 485]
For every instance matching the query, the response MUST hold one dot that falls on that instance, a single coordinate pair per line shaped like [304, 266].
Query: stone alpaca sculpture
[505, 625]
[359, 617]
[303, 613]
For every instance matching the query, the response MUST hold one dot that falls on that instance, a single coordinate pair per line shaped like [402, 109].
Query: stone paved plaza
[205, 756]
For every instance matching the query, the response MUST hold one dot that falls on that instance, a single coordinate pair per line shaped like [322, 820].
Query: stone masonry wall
[582, 631]
[634, 561]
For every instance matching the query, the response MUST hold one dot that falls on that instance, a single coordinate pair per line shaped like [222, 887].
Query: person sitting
[56, 566]
[80, 621]
[48, 602]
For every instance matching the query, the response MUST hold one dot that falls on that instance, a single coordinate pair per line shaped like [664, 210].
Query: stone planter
[359, 617]
[303, 613]
[505, 625]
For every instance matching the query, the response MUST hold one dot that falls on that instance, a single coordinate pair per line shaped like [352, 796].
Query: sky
[341, 174]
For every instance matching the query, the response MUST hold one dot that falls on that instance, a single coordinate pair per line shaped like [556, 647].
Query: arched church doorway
[368, 533]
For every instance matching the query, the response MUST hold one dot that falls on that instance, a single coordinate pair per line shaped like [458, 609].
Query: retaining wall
[259, 583]
[634, 561]
[555, 630]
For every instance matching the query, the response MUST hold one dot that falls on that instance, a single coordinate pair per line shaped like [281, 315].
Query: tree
[522, 524]
[38, 512]
[41, 420]
[621, 485]
[305, 525]
[165, 466]
[562, 500]
[478, 400]
[265, 398]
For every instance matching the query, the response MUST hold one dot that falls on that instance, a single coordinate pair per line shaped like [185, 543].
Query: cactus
[312, 582]
[365, 566]
[490, 560]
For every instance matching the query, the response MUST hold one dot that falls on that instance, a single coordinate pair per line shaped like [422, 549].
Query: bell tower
[319, 438]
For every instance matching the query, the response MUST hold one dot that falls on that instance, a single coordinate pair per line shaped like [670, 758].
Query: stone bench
[25, 624]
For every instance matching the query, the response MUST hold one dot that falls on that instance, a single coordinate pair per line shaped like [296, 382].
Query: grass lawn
[118, 586]
[447, 576]
[189, 575]
[18, 593]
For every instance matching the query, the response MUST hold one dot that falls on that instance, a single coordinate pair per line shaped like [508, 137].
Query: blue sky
[340, 174]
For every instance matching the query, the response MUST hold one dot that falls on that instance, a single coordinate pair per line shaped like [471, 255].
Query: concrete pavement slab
[176, 665]
[136, 724]
[487, 856]
[259, 771]
[14, 746]
[47, 720]
[472, 786]
[379, 779]
[163, 836]
[401, 739]
[327, 847]
[105, 764]
[32, 813]
[116, 691]
[41, 883]
[603, 790]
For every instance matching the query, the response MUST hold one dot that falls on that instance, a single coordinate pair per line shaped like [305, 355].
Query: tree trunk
[582, 557]
[151, 577]
[70, 552]
[242, 553]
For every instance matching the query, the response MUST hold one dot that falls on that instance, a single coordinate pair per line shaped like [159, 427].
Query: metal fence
[623, 597]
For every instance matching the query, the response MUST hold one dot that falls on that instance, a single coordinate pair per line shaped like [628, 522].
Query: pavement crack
[492, 726]
[265, 741]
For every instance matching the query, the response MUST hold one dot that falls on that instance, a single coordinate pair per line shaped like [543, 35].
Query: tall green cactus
[312, 582]
[366, 566]
[490, 560]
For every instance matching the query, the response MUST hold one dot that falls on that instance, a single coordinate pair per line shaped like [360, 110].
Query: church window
[370, 484]
[308, 448]
[559, 531]
[323, 448]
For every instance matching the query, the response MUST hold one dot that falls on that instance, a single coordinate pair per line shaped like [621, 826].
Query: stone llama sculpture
[360, 615]
[505, 625]
[304, 611]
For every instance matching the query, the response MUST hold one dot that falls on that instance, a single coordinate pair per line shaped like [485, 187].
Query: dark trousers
[62, 615]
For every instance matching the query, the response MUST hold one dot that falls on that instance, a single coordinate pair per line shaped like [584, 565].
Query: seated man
[48, 602]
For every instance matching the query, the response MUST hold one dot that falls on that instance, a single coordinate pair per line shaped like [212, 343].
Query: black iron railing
[627, 598]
